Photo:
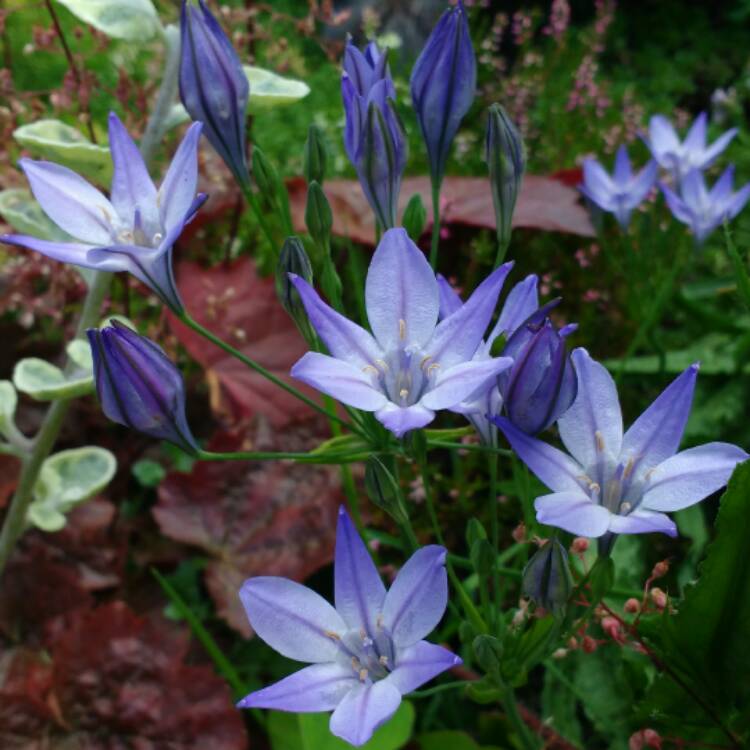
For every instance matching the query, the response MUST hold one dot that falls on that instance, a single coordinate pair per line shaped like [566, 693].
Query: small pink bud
[660, 569]
[572, 643]
[659, 598]
[632, 606]
[519, 533]
[644, 738]
[588, 644]
[560, 653]
[580, 545]
[611, 626]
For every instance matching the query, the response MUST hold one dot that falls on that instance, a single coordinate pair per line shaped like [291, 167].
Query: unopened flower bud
[383, 490]
[213, 85]
[415, 217]
[506, 163]
[559, 653]
[659, 598]
[588, 644]
[546, 577]
[316, 156]
[580, 545]
[645, 738]
[519, 533]
[293, 260]
[660, 569]
[138, 386]
[632, 606]
[611, 626]
[482, 555]
[318, 215]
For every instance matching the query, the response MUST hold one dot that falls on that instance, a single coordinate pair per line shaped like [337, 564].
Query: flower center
[371, 658]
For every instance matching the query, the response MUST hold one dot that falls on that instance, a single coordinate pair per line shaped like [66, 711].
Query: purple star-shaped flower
[615, 483]
[366, 652]
[679, 157]
[704, 210]
[412, 366]
[623, 191]
[134, 230]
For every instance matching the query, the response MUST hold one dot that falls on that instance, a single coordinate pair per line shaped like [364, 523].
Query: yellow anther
[424, 361]
[403, 393]
[402, 329]
[625, 507]
[333, 636]
[628, 468]
[594, 487]
[362, 675]
[382, 364]
[434, 366]
[383, 660]
[370, 368]
[599, 441]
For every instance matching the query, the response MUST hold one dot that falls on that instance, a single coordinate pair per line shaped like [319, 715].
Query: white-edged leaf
[60, 143]
[44, 381]
[79, 351]
[20, 209]
[133, 20]
[8, 402]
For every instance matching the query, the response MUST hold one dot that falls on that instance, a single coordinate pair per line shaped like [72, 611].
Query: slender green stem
[305, 458]
[252, 201]
[347, 480]
[502, 249]
[494, 532]
[528, 741]
[435, 242]
[740, 269]
[255, 366]
[438, 689]
[476, 447]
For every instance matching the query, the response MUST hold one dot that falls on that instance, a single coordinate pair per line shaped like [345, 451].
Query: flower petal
[689, 476]
[292, 619]
[574, 512]
[416, 601]
[65, 252]
[339, 379]
[344, 339]
[522, 302]
[132, 188]
[641, 186]
[401, 419]
[642, 522]
[598, 184]
[695, 140]
[320, 687]
[359, 590]
[662, 138]
[401, 293]
[710, 154]
[449, 299]
[457, 337]
[419, 663]
[622, 173]
[592, 427]
[177, 191]
[461, 381]
[74, 205]
[738, 201]
[553, 467]
[677, 206]
[363, 710]
[656, 434]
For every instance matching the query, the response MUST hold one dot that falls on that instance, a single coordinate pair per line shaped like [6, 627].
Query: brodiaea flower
[704, 210]
[615, 483]
[679, 157]
[412, 366]
[623, 191]
[366, 652]
[134, 230]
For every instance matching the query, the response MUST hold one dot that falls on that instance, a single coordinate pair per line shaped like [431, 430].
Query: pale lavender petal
[339, 379]
[721, 192]
[359, 590]
[690, 476]
[641, 185]
[522, 301]
[710, 154]
[363, 710]
[695, 140]
[592, 427]
[344, 339]
[598, 183]
[292, 619]
[132, 187]
[74, 205]
[66, 252]
[622, 173]
[656, 434]
[401, 419]
[677, 206]
[642, 522]
[416, 601]
[320, 687]
[662, 138]
[418, 664]
[553, 467]
[177, 191]
[458, 382]
[738, 201]
[458, 336]
[693, 189]
[573, 512]
[401, 293]
[449, 299]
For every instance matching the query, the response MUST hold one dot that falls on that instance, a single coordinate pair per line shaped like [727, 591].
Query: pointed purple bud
[213, 86]
[443, 83]
[546, 577]
[138, 386]
[374, 137]
[541, 385]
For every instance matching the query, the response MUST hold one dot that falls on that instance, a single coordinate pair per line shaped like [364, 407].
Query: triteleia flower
[134, 230]
[692, 153]
[443, 83]
[366, 652]
[506, 163]
[213, 86]
[138, 386]
[412, 366]
[622, 484]
[374, 137]
[623, 191]
[521, 303]
[704, 210]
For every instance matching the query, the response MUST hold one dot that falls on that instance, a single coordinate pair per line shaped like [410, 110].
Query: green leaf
[8, 402]
[311, 732]
[560, 704]
[148, 473]
[44, 381]
[450, 740]
[79, 351]
[132, 20]
[20, 209]
[706, 641]
[63, 144]
[67, 479]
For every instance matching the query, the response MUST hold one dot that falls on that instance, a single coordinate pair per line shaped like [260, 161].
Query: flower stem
[438, 689]
[494, 534]
[255, 366]
[502, 249]
[252, 201]
[740, 269]
[307, 458]
[528, 741]
[435, 242]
